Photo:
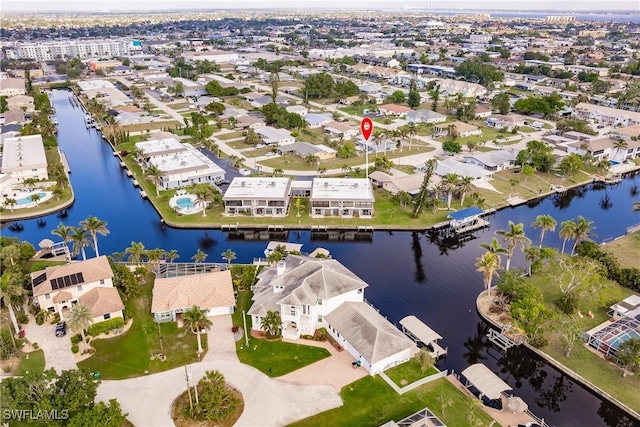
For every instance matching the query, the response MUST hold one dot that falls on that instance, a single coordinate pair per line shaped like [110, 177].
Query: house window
[360, 290]
[319, 302]
[51, 309]
[107, 316]
[305, 309]
[293, 310]
[102, 281]
[47, 296]
[319, 317]
[79, 288]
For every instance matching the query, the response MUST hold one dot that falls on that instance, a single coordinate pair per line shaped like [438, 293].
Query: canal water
[408, 272]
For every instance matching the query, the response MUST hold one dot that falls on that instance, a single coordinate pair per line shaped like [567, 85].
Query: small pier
[136, 183]
[143, 194]
[65, 162]
[504, 340]
[419, 332]
[229, 227]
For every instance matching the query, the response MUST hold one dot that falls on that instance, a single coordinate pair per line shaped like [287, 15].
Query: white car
[259, 146]
[269, 154]
[245, 172]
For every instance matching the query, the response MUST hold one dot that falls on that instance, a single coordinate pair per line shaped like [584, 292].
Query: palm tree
[203, 194]
[80, 241]
[531, 254]
[514, 236]
[464, 186]
[545, 223]
[582, 231]
[228, 256]
[488, 264]
[278, 171]
[79, 319]
[63, 232]
[450, 181]
[567, 231]
[199, 256]
[136, 251]
[155, 176]
[153, 256]
[35, 198]
[196, 320]
[95, 226]
[9, 203]
[271, 324]
[494, 247]
[172, 255]
[619, 145]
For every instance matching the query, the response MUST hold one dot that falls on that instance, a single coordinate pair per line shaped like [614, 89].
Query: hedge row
[99, 328]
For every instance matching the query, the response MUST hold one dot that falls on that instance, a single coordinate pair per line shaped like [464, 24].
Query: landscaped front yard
[129, 355]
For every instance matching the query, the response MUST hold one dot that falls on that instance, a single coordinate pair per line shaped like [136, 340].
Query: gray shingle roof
[304, 281]
[373, 336]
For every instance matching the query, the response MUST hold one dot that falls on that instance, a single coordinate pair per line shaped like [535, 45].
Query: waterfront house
[408, 183]
[341, 197]
[12, 86]
[90, 282]
[211, 291]
[495, 160]
[461, 169]
[303, 290]
[23, 157]
[605, 148]
[258, 196]
[370, 338]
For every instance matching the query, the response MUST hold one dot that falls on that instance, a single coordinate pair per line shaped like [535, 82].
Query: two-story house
[303, 290]
[89, 282]
[258, 196]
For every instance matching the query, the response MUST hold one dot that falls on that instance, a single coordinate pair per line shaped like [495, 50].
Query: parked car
[269, 154]
[61, 329]
[259, 146]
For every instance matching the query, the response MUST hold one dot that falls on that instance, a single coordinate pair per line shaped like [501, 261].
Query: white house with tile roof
[89, 282]
[212, 292]
[303, 290]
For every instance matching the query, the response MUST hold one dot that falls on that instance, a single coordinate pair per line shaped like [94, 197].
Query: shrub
[76, 339]
[42, 316]
[75, 348]
[22, 318]
[567, 303]
[235, 328]
[99, 328]
[55, 319]
[34, 345]
[320, 334]
[34, 309]
[6, 346]
[630, 278]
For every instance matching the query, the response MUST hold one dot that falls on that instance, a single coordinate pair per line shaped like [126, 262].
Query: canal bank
[408, 272]
[480, 304]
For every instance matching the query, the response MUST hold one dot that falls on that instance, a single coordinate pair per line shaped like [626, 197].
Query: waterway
[407, 272]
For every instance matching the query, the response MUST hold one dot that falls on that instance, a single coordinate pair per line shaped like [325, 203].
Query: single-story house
[394, 110]
[508, 122]
[298, 109]
[464, 129]
[315, 120]
[212, 292]
[340, 129]
[496, 160]
[249, 122]
[273, 136]
[408, 183]
[425, 116]
[461, 169]
[303, 149]
[370, 338]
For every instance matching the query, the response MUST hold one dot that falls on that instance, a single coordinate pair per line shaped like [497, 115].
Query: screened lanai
[608, 339]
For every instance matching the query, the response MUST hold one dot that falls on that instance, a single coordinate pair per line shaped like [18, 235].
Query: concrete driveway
[57, 350]
[267, 402]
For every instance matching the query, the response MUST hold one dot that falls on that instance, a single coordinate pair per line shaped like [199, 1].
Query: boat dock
[504, 339]
[419, 332]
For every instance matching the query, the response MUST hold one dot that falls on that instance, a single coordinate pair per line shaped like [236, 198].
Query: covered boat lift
[418, 331]
[485, 381]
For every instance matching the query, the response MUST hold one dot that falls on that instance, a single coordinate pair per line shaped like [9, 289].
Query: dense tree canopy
[537, 154]
[318, 86]
[476, 71]
[545, 105]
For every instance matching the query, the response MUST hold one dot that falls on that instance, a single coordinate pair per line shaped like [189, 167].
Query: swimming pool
[26, 200]
[184, 202]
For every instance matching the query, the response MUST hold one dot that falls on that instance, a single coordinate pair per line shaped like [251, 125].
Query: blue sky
[151, 5]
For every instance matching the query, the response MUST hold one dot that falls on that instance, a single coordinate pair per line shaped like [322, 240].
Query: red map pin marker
[366, 127]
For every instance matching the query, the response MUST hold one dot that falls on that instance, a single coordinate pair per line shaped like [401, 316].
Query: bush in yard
[75, 348]
[6, 346]
[76, 339]
[55, 319]
[235, 328]
[320, 334]
[22, 318]
[99, 328]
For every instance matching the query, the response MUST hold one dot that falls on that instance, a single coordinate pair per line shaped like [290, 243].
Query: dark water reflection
[416, 273]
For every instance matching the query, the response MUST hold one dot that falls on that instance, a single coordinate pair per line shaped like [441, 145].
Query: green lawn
[31, 362]
[625, 249]
[605, 375]
[370, 401]
[358, 110]
[273, 358]
[408, 373]
[230, 135]
[128, 355]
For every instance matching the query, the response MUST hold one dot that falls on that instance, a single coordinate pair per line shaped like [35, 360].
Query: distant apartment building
[258, 196]
[23, 157]
[606, 115]
[48, 51]
[217, 56]
[341, 197]
[559, 19]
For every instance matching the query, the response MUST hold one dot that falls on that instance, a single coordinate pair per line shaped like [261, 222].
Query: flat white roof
[342, 189]
[158, 146]
[258, 187]
[185, 161]
[95, 84]
[23, 152]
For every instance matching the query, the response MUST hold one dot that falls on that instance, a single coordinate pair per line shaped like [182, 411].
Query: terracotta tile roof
[62, 296]
[203, 290]
[102, 300]
[93, 270]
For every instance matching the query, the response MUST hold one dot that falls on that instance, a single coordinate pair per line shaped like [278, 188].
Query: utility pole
[246, 337]
[186, 374]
